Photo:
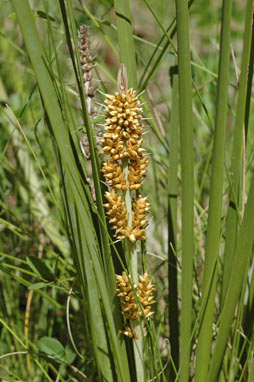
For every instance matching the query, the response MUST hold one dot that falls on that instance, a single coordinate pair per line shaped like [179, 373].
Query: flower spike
[126, 167]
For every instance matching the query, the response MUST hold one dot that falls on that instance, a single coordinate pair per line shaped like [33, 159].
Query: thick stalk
[127, 56]
[125, 40]
[132, 264]
[215, 198]
[233, 217]
[187, 171]
[235, 285]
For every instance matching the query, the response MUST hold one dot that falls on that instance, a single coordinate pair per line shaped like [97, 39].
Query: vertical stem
[249, 81]
[125, 40]
[215, 197]
[186, 145]
[137, 325]
[235, 285]
[107, 259]
[127, 56]
[132, 264]
[233, 218]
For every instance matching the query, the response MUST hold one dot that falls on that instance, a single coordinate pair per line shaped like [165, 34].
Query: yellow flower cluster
[131, 308]
[114, 175]
[117, 214]
[122, 143]
[123, 126]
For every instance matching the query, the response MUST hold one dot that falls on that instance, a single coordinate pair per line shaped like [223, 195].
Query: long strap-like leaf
[215, 197]
[187, 171]
[38, 61]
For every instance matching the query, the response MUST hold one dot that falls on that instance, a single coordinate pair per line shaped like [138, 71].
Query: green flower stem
[127, 193]
[132, 264]
[127, 57]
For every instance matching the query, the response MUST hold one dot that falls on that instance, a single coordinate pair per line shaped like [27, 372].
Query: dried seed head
[84, 144]
[122, 79]
[86, 60]
[87, 65]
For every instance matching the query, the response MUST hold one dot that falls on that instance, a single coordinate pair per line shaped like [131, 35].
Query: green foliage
[40, 268]
[60, 318]
[51, 346]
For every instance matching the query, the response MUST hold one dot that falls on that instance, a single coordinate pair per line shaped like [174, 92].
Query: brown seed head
[86, 60]
[87, 65]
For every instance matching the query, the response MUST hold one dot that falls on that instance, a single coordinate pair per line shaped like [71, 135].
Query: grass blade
[187, 171]
[125, 39]
[52, 106]
[240, 262]
[144, 81]
[127, 57]
[91, 293]
[249, 86]
[215, 199]
[107, 258]
[233, 216]
[39, 205]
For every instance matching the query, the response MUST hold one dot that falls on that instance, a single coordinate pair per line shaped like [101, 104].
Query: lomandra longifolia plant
[126, 168]
[80, 245]
[124, 171]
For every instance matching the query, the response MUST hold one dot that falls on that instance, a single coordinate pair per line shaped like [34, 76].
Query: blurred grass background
[33, 211]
